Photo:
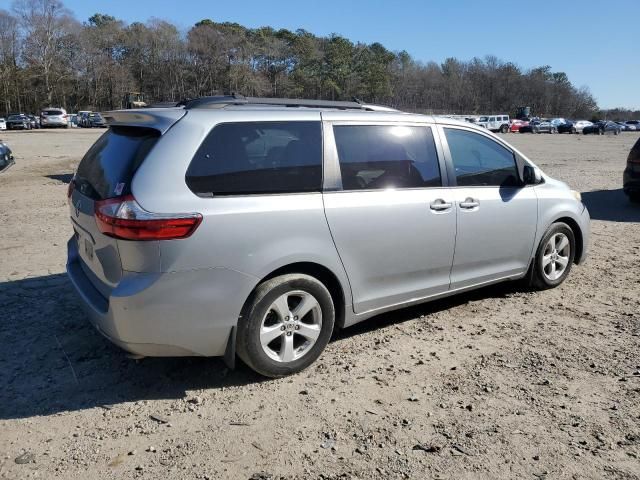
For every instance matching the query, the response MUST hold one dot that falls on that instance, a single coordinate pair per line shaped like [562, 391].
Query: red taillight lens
[124, 218]
[70, 188]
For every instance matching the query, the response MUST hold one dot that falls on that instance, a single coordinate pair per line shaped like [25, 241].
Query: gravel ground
[499, 383]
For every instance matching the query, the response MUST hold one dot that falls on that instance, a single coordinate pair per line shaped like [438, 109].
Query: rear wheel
[504, 129]
[286, 324]
[554, 257]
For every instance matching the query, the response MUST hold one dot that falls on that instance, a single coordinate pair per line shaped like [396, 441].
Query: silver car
[249, 227]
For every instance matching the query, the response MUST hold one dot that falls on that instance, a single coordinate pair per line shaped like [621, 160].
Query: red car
[516, 124]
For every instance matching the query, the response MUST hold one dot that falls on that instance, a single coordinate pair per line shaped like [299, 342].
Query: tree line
[49, 58]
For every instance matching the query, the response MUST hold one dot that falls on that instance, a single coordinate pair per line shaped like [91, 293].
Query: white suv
[495, 123]
[54, 117]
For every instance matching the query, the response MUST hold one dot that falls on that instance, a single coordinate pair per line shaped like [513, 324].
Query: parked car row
[52, 118]
[561, 125]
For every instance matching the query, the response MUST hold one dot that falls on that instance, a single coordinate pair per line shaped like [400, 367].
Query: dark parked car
[6, 156]
[602, 127]
[35, 121]
[92, 119]
[539, 126]
[18, 121]
[631, 176]
[566, 127]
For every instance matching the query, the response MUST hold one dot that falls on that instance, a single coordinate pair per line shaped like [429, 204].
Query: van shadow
[61, 177]
[55, 361]
[611, 205]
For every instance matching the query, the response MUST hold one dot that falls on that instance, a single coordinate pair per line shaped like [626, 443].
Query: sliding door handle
[470, 203]
[440, 205]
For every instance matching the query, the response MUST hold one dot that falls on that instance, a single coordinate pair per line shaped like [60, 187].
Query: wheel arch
[577, 232]
[321, 273]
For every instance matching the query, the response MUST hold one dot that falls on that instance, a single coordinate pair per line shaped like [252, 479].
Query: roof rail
[222, 101]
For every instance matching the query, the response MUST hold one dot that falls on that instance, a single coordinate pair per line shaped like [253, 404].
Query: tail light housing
[70, 188]
[125, 219]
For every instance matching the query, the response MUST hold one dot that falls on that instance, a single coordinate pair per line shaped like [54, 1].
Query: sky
[597, 45]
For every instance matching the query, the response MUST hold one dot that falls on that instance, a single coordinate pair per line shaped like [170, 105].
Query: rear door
[497, 217]
[391, 219]
[106, 172]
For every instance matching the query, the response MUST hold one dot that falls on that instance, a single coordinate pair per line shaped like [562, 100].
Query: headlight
[576, 195]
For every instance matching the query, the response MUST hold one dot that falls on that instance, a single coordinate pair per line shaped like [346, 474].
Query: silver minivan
[249, 227]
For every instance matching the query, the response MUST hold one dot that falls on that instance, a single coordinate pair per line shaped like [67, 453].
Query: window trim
[260, 194]
[332, 172]
[517, 160]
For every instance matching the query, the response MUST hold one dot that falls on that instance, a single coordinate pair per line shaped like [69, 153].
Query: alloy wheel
[555, 257]
[291, 326]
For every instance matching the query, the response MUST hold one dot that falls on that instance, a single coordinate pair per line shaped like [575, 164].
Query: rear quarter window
[108, 167]
[258, 158]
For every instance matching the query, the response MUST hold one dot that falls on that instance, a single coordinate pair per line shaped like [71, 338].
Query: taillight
[124, 218]
[70, 188]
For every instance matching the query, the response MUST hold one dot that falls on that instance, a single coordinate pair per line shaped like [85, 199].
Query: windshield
[95, 115]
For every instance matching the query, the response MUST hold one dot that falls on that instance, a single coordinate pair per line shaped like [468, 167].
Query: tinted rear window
[374, 157]
[107, 168]
[52, 112]
[258, 158]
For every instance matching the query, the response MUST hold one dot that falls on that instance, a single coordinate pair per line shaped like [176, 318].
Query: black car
[94, 119]
[6, 156]
[18, 121]
[602, 127]
[566, 127]
[631, 176]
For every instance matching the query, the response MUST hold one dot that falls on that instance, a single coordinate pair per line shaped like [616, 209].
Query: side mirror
[531, 175]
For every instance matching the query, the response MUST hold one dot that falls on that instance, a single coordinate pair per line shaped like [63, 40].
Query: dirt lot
[500, 383]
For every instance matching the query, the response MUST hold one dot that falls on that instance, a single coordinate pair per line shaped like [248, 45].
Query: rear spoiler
[160, 119]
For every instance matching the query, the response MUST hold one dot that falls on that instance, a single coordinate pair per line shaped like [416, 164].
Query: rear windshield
[108, 167]
[52, 112]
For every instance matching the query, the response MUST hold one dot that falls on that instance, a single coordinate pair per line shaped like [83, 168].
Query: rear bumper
[165, 314]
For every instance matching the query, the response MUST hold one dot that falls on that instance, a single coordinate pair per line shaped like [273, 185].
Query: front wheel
[285, 325]
[554, 257]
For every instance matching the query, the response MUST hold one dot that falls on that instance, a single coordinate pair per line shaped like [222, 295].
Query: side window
[386, 156]
[492, 119]
[480, 161]
[258, 158]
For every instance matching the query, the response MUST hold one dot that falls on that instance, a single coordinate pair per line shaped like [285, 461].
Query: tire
[269, 310]
[504, 129]
[573, 130]
[552, 130]
[616, 132]
[552, 253]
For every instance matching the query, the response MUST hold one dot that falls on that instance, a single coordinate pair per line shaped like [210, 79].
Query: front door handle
[439, 205]
[469, 203]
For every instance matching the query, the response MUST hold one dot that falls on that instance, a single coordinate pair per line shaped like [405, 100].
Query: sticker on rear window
[119, 188]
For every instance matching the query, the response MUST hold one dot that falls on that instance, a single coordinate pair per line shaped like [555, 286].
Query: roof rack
[222, 101]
